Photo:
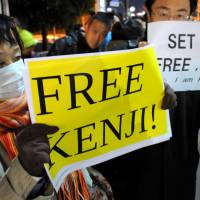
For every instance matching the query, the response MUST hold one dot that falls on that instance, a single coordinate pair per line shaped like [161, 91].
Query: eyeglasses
[166, 15]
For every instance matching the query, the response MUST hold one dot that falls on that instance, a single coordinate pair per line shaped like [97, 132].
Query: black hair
[8, 31]
[121, 32]
[91, 13]
[193, 5]
[124, 37]
[102, 17]
[129, 30]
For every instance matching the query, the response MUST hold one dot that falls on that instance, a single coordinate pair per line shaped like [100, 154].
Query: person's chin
[93, 46]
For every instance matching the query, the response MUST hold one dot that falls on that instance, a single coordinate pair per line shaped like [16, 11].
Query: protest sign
[177, 46]
[105, 105]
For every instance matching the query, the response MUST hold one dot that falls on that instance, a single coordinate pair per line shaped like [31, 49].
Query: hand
[169, 100]
[33, 147]
[143, 43]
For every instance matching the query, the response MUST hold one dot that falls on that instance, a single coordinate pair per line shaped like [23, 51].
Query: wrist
[30, 168]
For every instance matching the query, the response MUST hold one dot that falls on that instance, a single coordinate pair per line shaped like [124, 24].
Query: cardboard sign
[105, 105]
[177, 46]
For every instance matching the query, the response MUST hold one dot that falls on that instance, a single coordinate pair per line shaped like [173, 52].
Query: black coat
[74, 43]
[165, 171]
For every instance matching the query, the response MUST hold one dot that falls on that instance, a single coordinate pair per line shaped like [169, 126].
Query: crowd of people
[165, 171]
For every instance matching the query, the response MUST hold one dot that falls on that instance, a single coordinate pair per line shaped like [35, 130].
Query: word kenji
[84, 136]
[106, 85]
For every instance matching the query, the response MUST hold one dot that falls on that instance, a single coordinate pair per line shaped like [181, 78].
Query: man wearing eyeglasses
[178, 158]
[162, 10]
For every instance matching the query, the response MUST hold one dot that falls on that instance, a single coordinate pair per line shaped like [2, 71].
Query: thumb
[45, 129]
[35, 131]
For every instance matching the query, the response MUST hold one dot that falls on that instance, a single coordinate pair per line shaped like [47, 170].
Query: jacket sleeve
[62, 46]
[16, 184]
[58, 48]
[53, 51]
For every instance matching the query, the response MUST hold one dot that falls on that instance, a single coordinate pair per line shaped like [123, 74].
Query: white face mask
[11, 80]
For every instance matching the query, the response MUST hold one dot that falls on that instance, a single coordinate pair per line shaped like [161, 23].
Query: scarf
[74, 187]
[13, 114]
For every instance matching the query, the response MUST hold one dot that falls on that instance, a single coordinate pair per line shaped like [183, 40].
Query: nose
[172, 18]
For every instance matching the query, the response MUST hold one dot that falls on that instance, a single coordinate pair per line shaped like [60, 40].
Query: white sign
[177, 46]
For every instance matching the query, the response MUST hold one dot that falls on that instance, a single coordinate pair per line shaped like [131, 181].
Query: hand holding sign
[33, 147]
[105, 104]
[170, 99]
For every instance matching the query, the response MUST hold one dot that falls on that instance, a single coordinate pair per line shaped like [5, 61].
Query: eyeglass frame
[169, 17]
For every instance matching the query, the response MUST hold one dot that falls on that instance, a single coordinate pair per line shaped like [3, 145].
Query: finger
[28, 135]
[42, 157]
[143, 43]
[174, 104]
[165, 102]
[37, 131]
[41, 147]
[45, 129]
[169, 101]
[40, 138]
[172, 100]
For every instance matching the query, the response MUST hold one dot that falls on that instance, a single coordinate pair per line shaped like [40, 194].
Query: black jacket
[74, 43]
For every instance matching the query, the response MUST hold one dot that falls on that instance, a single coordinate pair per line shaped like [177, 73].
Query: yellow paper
[101, 103]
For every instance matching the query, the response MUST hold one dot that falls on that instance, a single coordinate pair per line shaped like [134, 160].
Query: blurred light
[102, 5]
[132, 9]
[140, 14]
[109, 9]
[50, 37]
[132, 14]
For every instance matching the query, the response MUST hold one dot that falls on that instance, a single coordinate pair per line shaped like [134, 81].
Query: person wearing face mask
[24, 148]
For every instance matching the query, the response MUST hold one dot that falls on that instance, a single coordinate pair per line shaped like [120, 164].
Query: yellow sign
[105, 105]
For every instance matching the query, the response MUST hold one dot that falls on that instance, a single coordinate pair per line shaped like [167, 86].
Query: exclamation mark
[153, 115]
